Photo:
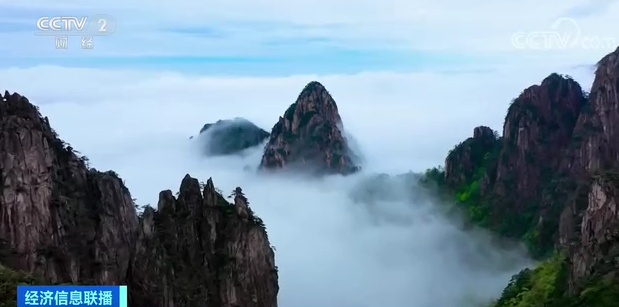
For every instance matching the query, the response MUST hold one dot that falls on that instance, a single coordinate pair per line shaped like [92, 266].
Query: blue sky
[302, 55]
[272, 37]
[327, 62]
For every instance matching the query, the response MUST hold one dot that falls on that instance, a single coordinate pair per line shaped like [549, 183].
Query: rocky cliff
[517, 169]
[550, 180]
[310, 136]
[64, 222]
[590, 222]
[463, 161]
[231, 136]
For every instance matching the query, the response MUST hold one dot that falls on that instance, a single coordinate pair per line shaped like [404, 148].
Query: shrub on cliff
[9, 280]
[543, 286]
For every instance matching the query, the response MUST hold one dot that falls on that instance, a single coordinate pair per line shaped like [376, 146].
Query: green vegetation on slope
[473, 164]
[9, 280]
[544, 286]
[467, 194]
[547, 284]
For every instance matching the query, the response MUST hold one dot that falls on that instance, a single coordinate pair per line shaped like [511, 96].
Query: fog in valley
[356, 241]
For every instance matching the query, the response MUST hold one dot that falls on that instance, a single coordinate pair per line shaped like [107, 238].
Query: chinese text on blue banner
[75, 296]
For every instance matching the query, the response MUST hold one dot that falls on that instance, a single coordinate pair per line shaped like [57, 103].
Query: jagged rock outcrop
[231, 136]
[67, 223]
[516, 169]
[462, 162]
[310, 136]
[538, 127]
[218, 256]
[554, 185]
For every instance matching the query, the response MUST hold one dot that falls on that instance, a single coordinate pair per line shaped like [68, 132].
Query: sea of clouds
[331, 250]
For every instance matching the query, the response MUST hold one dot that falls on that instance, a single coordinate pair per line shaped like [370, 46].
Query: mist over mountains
[344, 241]
[364, 239]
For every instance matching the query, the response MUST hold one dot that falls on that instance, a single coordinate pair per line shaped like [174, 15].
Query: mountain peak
[555, 94]
[315, 98]
[313, 86]
[309, 135]
[551, 181]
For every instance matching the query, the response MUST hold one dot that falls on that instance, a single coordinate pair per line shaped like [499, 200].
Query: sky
[411, 79]
[276, 37]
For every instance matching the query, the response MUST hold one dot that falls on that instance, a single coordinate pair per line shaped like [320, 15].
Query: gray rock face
[309, 136]
[67, 223]
[199, 250]
[59, 219]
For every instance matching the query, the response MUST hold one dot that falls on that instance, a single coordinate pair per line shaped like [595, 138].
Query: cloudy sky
[411, 79]
[277, 37]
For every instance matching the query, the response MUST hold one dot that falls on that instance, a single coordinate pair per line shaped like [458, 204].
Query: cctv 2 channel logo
[96, 25]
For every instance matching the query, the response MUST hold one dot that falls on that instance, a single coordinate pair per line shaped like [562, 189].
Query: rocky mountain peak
[483, 133]
[317, 93]
[462, 162]
[218, 255]
[538, 128]
[310, 136]
[556, 95]
[553, 183]
[315, 98]
[66, 223]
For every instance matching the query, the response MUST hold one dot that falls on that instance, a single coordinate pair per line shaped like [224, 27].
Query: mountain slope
[550, 180]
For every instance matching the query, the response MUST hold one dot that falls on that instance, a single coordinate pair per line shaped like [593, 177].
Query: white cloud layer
[276, 27]
[330, 251]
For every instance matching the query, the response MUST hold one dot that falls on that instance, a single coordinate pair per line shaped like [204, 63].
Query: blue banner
[75, 296]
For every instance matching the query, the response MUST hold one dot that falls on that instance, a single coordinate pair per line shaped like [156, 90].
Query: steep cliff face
[515, 169]
[231, 136]
[309, 136]
[597, 128]
[554, 185]
[67, 223]
[538, 126]
[590, 224]
[219, 255]
[537, 132]
[58, 219]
